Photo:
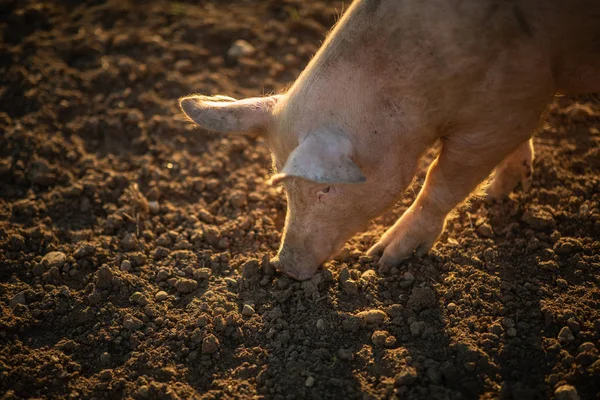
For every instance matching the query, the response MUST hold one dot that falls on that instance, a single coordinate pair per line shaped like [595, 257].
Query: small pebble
[129, 242]
[210, 344]
[161, 295]
[240, 48]
[105, 358]
[565, 336]
[139, 298]
[154, 207]
[346, 354]
[451, 307]
[310, 381]
[238, 199]
[320, 324]
[247, 310]
[125, 265]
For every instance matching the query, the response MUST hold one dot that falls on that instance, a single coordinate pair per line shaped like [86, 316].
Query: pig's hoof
[403, 240]
[516, 168]
[504, 182]
[394, 255]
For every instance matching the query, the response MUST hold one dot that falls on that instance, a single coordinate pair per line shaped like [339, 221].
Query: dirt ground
[134, 247]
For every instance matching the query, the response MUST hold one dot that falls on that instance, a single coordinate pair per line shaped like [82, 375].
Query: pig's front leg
[464, 162]
[517, 167]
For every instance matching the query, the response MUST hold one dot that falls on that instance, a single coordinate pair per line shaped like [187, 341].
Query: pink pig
[391, 79]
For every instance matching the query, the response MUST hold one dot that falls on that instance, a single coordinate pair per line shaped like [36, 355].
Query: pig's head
[329, 197]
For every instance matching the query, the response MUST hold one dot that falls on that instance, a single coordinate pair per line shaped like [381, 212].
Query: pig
[393, 78]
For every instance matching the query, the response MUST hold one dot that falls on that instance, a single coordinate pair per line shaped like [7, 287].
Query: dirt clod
[104, 277]
[184, 285]
[84, 250]
[372, 316]
[379, 338]
[346, 354]
[210, 344]
[421, 298]
[350, 287]
[406, 377]
[54, 259]
[566, 392]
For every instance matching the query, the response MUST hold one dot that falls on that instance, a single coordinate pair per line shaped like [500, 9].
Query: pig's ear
[225, 114]
[323, 157]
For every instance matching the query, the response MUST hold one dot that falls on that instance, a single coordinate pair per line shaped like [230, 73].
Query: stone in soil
[210, 344]
[247, 310]
[240, 48]
[310, 382]
[565, 336]
[161, 295]
[125, 265]
[54, 259]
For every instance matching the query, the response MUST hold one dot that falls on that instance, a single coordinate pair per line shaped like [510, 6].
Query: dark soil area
[134, 247]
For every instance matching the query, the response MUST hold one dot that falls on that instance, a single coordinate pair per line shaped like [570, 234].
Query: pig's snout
[290, 267]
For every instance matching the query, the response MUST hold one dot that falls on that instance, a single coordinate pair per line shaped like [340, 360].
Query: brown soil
[134, 247]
